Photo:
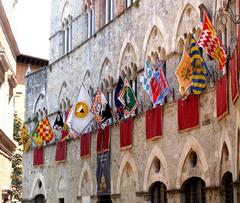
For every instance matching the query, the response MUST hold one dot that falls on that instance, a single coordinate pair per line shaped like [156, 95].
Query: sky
[31, 27]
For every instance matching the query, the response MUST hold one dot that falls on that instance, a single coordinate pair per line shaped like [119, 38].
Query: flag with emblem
[101, 109]
[81, 116]
[184, 73]
[118, 103]
[146, 79]
[45, 130]
[200, 71]
[25, 139]
[211, 42]
[159, 87]
[36, 138]
[128, 99]
[58, 126]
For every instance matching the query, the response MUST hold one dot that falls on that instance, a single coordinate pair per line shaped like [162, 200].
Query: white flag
[81, 114]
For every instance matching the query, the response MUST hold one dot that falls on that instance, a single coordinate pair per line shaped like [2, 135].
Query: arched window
[39, 199]
[158, 193]
[67, 35]
[193, 191]
[91, 22]
[109, 10]
[228, 189]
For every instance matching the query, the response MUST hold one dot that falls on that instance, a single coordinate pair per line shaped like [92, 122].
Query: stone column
[174, 195]
[236, 191]
[214, 194]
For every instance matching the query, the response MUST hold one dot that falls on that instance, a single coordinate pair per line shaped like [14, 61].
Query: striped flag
[199, 75]
[211, 42]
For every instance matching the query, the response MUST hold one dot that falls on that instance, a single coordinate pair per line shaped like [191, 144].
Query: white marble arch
[156, 21]
[128, 40]
[156, 152]
[127, 159]
[178, 18]
[35, 190]
[224, 138]
[40, 96]
[192, 144]
[86, 169]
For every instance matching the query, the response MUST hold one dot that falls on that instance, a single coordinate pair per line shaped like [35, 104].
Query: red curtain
[85, 145]
[239, 42]
[126, 127]
[61, 148]
[38, 156]
[221, 95]
[234, 77]
[103, 139]
[154, 123]
[188, 113]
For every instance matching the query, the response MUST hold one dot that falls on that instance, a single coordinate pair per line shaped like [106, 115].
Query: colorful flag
[200, 71]
[25, 139]
[184, 73]
[118, 104]
[81, 116]
[159, 87]
[128, 99]
[146, 79]
[45, 130]
[101, 109]
[211, 42]
[58, 126]
[36, 137]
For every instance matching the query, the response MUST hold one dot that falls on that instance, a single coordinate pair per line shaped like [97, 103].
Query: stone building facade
[93, 42]
[8, 55]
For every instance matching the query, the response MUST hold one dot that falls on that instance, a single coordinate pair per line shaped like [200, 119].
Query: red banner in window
[126, 127]
[85, 145]
[154, 123]
[221, 95]
[103, 139]
[234, 77]
[188, 113]
[38, 156]
[61, 148]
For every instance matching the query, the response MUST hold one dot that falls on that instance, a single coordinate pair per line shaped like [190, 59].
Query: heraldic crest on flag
[184, 73]
[101, 109]
[118, 103]
[58, 126]
[211, 42]
[25, 139]
[128, 99]
[81, 115]
[45, 130]
[200, 71]
[37, 139]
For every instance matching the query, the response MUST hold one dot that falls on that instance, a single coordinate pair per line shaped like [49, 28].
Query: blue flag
[118, 103]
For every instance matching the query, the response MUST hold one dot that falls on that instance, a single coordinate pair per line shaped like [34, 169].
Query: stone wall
[129, 39]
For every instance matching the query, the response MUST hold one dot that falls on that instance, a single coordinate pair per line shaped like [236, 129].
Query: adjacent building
[95, 41]
[8, 57]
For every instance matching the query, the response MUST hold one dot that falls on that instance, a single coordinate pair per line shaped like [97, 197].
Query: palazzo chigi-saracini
[96, 41]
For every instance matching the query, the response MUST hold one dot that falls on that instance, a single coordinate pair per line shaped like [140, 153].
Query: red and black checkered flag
[45, 130]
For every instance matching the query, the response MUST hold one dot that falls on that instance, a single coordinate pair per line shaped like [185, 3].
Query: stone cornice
[6, 144]
[8, 32]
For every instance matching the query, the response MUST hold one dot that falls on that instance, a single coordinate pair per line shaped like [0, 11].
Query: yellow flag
[25, 139]
[184, 73]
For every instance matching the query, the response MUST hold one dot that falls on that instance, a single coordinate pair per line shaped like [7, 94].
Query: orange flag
[45, 130]
[184, 73]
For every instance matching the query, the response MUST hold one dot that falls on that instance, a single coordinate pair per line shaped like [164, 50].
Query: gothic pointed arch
[127, 164]
[106, 75]
[65, 11]
[192, 162]
[40, 106]
[129, 58]
[156, 168]
[188, 18]
[85, 187]
[38, 186]
[63, 97]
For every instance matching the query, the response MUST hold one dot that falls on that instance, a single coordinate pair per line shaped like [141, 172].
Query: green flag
[128, 99]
